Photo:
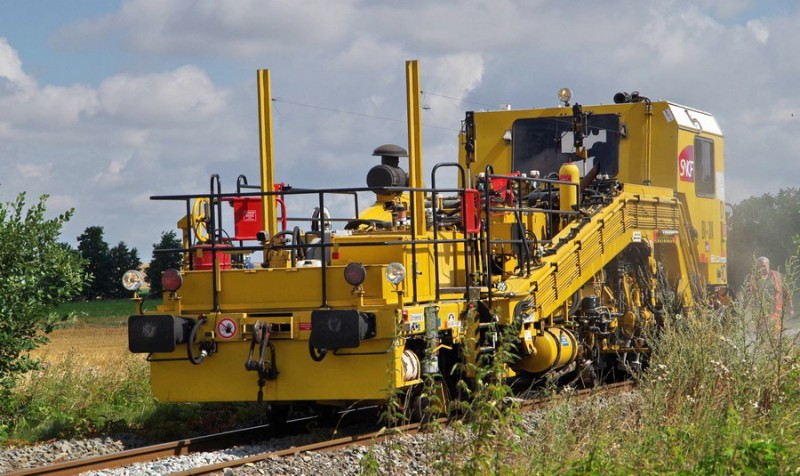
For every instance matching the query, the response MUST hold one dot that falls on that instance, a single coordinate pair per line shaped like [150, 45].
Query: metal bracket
[267, 369]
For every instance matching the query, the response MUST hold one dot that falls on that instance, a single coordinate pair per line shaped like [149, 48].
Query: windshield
[545, 143]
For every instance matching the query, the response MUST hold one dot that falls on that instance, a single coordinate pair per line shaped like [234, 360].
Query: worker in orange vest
[774, 288]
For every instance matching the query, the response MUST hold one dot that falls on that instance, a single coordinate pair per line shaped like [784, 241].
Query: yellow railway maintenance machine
[571, 228]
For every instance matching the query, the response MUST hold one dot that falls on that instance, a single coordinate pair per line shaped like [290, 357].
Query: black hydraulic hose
[297, 252]
[575, 303]
[315, 356]
[195, 360]
[524, 249]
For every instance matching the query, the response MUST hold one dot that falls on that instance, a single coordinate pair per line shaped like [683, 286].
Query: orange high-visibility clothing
[777, 308]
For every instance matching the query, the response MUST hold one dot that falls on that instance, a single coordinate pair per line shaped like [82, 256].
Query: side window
[704, 167]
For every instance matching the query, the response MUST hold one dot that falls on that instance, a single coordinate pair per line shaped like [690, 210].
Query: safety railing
[445, 207]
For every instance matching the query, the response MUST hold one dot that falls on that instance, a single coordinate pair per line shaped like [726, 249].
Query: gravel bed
[34, 456]
[408, 455]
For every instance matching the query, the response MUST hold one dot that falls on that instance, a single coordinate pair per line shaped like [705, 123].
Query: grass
[89, 384]
[70, 397]
[103, 312]
[721, 395]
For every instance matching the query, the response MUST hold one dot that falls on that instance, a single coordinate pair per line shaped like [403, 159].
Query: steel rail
[226, 439]
[146, 453]
[382, 435]
[330, 445]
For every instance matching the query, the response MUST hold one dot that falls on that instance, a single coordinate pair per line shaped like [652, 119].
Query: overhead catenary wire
[460, 100]
[353, 113]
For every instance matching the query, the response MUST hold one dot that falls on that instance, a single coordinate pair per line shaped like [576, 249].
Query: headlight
[171, 280]
[132, 280]
[355, 274]
[395, 273]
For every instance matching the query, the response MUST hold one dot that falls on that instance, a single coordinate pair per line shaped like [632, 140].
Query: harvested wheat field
[86, 343]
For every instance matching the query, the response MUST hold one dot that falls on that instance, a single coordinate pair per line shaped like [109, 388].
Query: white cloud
[242, 28]
[34, 171]
[54, 106]
[134, 137]
[12, 77]
[183, 95]
[61, 203]
[727, 8]
[94, 147]
[180, 103]
[759, 30]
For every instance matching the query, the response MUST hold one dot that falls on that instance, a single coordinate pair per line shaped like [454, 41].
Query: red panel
[471, 211]
[203, 257]
[247, 217]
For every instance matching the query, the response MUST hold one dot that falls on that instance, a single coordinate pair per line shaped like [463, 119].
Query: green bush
[36, 274]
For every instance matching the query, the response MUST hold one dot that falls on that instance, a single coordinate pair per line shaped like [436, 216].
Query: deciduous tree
[94, 249]
[163, 261]
[36, 274]
[105, 265]
[762, 226]
[121, 259]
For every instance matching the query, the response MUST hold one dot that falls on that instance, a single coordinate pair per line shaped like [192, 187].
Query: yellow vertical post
[413, 93]
[268, 209]
[648, 111]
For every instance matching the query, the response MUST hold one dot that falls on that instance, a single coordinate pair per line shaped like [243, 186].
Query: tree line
[766, 225]
[105, 266]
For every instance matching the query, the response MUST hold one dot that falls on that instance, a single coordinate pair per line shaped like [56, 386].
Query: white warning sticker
[226, 328]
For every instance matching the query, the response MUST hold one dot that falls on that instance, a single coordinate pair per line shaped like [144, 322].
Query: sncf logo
[686, 164]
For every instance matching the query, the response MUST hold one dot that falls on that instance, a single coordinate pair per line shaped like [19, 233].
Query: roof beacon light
[565, 95]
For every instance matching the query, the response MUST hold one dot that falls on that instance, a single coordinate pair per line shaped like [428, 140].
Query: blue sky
[104, 103]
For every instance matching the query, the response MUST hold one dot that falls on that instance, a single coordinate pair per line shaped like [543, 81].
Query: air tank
[569, 172]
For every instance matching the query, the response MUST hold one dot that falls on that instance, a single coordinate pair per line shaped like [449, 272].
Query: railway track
[148, 453]
[227, 439]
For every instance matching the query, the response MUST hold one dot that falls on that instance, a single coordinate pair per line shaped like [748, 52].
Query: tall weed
[67, 398]
[721, 395]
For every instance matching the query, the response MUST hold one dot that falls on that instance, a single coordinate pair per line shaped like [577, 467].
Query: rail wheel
[427, 402]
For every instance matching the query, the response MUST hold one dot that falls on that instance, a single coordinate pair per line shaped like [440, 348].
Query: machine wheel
[426, 403]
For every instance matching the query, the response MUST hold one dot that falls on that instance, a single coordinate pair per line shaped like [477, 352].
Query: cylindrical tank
[555, 348]
[568, 172]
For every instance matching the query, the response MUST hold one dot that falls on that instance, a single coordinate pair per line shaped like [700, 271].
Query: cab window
[546, 143]
[704, 167]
